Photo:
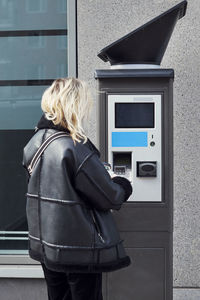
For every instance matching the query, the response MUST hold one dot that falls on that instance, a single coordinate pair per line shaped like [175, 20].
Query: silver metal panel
[71, 26]
[145, 189]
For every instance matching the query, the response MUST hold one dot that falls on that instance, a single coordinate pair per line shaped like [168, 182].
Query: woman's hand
[112, 174]
[108, 168]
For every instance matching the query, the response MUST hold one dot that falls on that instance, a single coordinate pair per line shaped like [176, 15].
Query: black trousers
[73, 286]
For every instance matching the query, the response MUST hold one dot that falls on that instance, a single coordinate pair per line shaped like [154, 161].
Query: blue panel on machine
[129, 139]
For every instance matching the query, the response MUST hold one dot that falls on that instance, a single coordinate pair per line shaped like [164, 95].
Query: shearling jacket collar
[44, 123]
[48, 124]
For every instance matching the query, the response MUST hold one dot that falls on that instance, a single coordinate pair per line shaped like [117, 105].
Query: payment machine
[135, 130]
[134, 142]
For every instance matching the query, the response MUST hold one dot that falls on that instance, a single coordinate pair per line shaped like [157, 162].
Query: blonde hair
[67, 102]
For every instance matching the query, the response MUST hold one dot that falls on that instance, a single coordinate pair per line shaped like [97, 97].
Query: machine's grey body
[146, 227]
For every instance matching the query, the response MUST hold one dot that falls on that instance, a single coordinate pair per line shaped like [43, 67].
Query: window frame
[21, 265]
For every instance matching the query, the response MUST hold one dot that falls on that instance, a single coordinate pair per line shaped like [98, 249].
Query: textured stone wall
[101, 22]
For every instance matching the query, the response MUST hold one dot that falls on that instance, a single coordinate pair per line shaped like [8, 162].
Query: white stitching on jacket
[31, 195]
[53, 199]
[71, 247]
[60, 246]
[33, 237]
[83, 162]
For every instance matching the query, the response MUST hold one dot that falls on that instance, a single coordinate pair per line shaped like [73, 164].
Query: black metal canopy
[146, 44]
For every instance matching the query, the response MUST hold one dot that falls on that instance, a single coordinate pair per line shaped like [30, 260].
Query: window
[37, 45]
[36, 6]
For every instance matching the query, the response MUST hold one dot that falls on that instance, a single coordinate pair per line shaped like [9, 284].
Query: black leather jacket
[69, 201]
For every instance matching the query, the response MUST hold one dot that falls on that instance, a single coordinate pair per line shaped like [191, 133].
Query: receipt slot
[135, 135]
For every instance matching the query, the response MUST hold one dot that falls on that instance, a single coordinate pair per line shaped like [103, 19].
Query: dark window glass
[33, 52]
[20, 106]
[33, 14]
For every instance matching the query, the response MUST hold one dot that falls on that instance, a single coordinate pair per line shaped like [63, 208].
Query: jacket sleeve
[96, 187]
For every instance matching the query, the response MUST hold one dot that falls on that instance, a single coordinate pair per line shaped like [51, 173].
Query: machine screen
[134, 115]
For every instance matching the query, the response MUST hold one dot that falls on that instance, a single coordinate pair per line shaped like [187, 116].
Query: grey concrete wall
[101, 22]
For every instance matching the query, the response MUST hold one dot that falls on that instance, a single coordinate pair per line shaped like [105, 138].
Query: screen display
[134, 115]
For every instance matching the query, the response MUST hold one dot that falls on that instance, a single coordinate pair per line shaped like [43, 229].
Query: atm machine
[135, 127]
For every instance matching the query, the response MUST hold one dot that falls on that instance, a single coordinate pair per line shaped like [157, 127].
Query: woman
[70, 197]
